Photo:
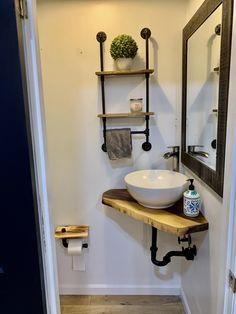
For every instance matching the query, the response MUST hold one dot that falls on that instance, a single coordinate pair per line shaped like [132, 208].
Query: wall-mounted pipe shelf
[101, 38]
[71, 232]
[171, 220]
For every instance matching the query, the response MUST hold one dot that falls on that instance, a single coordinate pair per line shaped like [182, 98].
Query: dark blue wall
[21, 289]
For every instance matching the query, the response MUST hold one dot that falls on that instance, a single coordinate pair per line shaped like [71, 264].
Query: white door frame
[37, 121]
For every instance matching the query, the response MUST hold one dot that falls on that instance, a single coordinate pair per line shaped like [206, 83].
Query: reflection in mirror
[206, 66]
[203, 50]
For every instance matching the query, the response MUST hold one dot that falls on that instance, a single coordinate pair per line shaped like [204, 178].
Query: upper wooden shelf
[71, 232]
[126, 72]
[126, 115]
[170, 220]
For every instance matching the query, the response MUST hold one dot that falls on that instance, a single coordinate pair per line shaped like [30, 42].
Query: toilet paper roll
[75, 250]
[74, 247]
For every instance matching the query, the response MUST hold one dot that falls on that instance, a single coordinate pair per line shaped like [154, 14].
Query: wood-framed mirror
[205, 82]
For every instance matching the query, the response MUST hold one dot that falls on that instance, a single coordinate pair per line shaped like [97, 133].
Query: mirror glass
[203, 51]
[206, 68]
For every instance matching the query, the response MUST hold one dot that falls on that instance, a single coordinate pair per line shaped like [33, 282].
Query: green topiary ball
[123, 46]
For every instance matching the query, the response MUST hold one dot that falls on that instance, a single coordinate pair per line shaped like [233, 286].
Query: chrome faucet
[192, 151]
[175, 154]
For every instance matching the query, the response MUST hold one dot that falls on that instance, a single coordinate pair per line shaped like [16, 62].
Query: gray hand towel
[118, 143]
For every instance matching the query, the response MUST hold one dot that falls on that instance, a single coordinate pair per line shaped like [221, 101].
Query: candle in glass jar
[136, 104]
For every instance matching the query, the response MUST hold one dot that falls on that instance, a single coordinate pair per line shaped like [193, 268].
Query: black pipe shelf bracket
[189, 253]
[101, 38]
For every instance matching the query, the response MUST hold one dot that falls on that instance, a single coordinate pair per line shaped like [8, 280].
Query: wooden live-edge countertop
[170, 220]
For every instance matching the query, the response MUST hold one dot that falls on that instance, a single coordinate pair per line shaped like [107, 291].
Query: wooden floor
[121, 305]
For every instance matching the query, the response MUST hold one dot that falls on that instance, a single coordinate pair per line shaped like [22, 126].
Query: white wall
[203, 281]
[118, 259]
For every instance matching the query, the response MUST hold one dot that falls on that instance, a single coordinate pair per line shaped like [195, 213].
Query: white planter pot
[124, 63]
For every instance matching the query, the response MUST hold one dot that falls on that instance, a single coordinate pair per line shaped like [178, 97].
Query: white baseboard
[185, 302]
[118, 290]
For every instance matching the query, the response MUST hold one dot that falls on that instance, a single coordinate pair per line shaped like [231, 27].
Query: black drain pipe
[188, 252]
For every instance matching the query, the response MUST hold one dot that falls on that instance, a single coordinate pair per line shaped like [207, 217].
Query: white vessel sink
[156, 188]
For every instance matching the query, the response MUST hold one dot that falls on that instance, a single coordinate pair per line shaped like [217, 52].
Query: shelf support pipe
[101, 38]
[146, 34]
[189, 253]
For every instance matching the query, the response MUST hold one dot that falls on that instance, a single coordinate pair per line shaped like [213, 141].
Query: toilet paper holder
[65, 243]
[71, 232]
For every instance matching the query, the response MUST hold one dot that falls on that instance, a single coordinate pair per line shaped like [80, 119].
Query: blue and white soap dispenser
[192, 201]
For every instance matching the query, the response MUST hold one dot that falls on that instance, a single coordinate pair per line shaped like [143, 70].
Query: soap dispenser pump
[191, 201]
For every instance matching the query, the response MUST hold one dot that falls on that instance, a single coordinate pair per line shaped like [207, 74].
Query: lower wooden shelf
[171, 220]
[126, 115]
[125, 72]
